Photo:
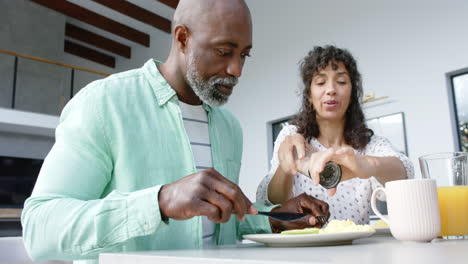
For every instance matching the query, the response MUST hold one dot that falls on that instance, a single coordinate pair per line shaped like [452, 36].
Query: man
[122, 175]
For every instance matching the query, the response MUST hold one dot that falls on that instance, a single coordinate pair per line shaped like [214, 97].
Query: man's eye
[223, 52]
[342, 82]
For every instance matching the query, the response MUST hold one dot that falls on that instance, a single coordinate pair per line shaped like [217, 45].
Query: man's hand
[301, 204]
[205, 193]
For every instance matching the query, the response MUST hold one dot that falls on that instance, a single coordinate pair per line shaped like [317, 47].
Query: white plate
[306, 240]
[382, 231]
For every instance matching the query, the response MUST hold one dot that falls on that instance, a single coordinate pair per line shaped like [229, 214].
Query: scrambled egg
[312, 230]
[380, 224]
[334, 226]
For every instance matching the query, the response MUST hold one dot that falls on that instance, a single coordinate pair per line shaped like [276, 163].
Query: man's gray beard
[206, 89]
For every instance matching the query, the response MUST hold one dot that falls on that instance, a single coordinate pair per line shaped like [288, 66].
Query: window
[273, 129]
[458, 98]
[392, 127]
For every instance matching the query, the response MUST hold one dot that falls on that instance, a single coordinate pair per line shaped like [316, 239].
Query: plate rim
[382, 231]
[318, 239]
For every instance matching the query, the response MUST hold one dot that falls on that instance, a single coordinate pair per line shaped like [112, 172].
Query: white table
[373, 250]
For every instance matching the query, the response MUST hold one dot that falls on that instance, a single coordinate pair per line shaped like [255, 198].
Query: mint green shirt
[119, 140]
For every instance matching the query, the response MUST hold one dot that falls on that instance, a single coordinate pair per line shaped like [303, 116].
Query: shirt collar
[161, 88]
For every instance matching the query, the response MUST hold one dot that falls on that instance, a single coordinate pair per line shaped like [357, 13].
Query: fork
[322, 220]
[283, 216]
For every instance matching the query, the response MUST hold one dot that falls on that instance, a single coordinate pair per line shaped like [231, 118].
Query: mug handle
[374, 204]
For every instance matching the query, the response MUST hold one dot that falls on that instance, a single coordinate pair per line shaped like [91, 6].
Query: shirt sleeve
[254, 224]
[67, 216]
[382, 147]
[262, 189]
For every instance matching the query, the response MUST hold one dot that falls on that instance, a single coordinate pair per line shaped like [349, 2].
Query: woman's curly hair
[356, 132]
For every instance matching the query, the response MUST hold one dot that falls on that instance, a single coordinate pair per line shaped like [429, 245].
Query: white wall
[31, 29]
[403, 49]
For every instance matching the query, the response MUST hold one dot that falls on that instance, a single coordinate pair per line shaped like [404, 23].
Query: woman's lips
[330, 104]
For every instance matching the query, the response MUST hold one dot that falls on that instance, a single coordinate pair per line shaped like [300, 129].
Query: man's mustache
[226, 81]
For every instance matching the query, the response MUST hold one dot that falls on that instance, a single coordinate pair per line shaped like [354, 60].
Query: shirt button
[146, 227]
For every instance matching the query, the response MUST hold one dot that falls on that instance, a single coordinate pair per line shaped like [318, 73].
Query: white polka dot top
[352, 199]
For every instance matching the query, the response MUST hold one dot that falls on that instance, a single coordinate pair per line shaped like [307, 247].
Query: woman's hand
[384, 169]
[352, 165]
[287, 153]
[281, 185]
[313, 166]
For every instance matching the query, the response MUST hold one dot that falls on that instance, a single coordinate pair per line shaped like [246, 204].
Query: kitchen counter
[373, 250]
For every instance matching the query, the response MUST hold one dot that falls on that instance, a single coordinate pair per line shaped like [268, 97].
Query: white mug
[413, 209]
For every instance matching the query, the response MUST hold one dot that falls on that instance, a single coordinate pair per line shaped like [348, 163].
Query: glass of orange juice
[450, 170]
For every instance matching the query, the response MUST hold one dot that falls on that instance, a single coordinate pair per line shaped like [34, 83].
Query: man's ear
[181, 35]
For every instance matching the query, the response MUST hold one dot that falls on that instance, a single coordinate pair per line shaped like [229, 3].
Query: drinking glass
[450, 170]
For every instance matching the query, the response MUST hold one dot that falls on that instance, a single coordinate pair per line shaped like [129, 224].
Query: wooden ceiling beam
[138, 13]
[92, 18]
[171, 3]
[89, 54]
[96, 40]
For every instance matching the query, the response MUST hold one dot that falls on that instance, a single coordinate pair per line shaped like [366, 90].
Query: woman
[330, 127]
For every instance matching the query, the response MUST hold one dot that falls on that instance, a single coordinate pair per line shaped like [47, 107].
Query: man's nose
[234, 67]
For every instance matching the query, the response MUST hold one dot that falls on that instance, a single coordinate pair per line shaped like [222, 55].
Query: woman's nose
[331, 89]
